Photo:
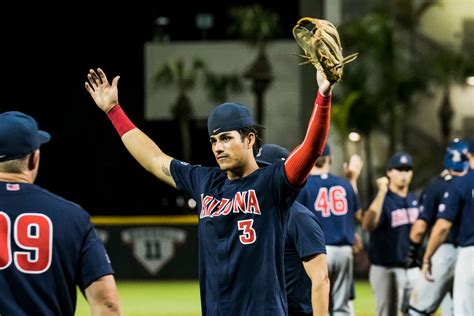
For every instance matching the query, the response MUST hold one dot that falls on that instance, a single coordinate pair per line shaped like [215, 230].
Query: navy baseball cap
[19, 135]
[228, 117]
[455, 156]
[400, 160]
[326, 150]
[270, 154]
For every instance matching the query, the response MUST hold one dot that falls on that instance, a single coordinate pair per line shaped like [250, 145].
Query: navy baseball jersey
[389, 242]
[335, 203]
[241, 237]
[47, 247]
[459, 201]
[431, 202]
[304, 238]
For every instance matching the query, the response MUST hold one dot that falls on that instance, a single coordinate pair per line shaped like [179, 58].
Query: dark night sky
[46, 53]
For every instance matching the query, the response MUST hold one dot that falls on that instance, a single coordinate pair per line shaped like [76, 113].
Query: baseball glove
[322, 47]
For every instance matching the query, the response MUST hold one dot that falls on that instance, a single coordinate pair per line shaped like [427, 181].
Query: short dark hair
[245, 131]
[321, 161]
[15, 165]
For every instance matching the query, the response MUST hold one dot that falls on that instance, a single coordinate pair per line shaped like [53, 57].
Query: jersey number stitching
[249, 235]
[334, 202]
[32, 232]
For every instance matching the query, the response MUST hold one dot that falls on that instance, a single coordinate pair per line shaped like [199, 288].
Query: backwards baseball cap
[270, 154]
[228, 117]
[19, 135]
[455, 156]
[400, 160]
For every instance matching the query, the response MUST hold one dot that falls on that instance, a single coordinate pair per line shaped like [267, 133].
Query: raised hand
[353, 169]
[324, 85]
[382, 184]
[103, 94]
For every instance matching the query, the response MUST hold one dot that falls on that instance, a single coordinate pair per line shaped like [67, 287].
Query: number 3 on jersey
[248, 233]
[332, 202]
[32, 232]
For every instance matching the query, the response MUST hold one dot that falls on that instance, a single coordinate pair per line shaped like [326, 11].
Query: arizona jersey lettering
[241, 237]
[389, 242]
[245, 202]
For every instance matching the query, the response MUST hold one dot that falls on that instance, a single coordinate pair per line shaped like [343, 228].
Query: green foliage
[340, 113]
[219, 85]
[254, 24]
[175, 72]
[388, 72]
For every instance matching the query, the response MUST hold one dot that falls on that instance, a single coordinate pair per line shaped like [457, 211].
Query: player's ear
[251, 139]
[33, 160]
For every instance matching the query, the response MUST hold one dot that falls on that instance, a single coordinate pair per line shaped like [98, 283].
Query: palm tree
[387, 74]
[448, 68]
[175, 72]
[257, 27]
[219, 85]
[340, 119]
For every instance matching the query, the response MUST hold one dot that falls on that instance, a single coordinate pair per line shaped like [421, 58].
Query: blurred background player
[427, 296]
[389, 219]
[47, 244]
[243, 208]
[336, 205]
[458, 211]
[306, 269]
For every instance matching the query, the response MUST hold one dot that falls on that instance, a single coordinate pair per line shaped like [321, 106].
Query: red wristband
[120, 120]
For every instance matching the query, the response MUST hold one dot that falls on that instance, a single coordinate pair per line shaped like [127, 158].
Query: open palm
[103, 94]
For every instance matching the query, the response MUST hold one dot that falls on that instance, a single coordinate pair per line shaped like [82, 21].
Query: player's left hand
[353, 169]
[324, 85]
[426, 270]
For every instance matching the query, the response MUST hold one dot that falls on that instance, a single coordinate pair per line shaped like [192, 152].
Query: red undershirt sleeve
[302, 158]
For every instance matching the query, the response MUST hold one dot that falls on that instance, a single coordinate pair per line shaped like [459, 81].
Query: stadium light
[470, 80]
[354, 137]
[192, 203]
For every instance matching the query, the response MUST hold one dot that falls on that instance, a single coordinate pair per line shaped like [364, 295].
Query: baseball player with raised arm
[336, 205]
[427, 296]
[306, 268]
[389, 219]
[458, 211]
[48, 245]
[242, 208]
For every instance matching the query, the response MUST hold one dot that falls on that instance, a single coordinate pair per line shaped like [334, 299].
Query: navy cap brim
[44, 137]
